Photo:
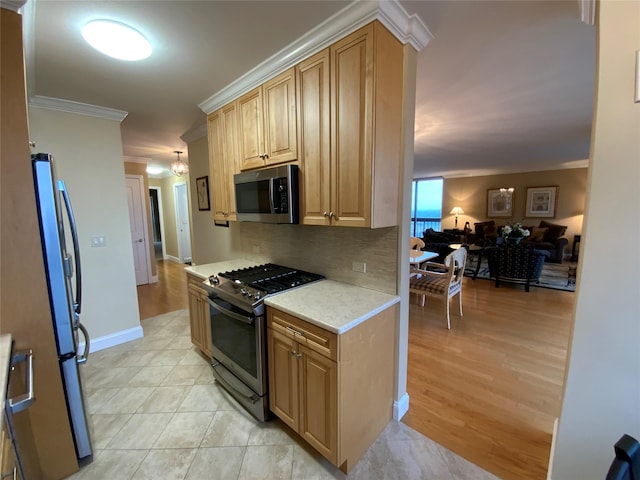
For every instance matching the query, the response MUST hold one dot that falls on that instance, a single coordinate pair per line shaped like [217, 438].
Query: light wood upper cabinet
[312, 86]
[267, 123]
[365, 72]
[223, 161]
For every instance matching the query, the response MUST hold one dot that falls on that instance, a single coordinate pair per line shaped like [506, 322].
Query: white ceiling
[503, 86]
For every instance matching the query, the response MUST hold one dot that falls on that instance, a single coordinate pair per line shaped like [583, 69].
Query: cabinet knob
[326, 214]
[296, 354]
[266, 155]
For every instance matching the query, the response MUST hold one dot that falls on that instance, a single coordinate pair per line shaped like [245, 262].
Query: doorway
[182, 222]
[157, 222]
[138, 226]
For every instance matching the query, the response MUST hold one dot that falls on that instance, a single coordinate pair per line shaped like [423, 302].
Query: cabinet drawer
[195, 284]
[313, 337]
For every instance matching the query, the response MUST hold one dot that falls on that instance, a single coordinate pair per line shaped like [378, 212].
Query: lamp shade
[456, 211]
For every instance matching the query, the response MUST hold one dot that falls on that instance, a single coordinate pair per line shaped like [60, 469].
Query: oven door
[238, 343]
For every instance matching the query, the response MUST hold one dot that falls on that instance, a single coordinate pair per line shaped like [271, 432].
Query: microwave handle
[272, 196]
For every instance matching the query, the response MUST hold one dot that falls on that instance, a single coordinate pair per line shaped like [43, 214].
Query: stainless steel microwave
[267, 196]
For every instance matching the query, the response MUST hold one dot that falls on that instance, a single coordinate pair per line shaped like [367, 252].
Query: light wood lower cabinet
[8, 464]
[199, 315]
[335, 391]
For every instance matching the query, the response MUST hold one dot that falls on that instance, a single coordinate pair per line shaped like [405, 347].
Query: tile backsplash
[329, 251]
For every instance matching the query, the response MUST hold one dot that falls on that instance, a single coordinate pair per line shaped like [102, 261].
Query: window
[426, 205]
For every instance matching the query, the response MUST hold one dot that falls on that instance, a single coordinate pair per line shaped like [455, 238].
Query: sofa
[438, 242]
[546, 236]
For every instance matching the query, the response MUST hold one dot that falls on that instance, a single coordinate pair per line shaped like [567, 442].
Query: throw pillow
[480, 228]
[537, 234]
[554, 231]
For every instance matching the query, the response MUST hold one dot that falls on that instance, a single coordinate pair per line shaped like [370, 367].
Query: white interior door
[138, 223]
[182, 221]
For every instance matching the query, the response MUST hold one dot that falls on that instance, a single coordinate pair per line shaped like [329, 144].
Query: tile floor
[156, 413]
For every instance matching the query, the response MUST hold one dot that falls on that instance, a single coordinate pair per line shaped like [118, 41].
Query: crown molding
[62, 105]
[194, 134]
[409, 29]
[136, 159]
[13, 5]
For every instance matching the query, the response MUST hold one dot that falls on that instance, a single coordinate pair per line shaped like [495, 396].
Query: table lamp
[456, 211]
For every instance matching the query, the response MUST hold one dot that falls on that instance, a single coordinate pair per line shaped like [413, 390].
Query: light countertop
[334, 306]
[5, 361]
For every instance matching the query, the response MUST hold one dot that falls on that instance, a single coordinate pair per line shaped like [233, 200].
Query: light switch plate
[98, 241]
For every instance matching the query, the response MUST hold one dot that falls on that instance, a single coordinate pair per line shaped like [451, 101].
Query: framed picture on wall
[499, 203]
[541, 202]
[202, 187]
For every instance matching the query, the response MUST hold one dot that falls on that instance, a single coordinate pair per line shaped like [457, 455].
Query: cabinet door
[279, 103]
[283, 378]
[217, 167]
[195, 316]
[205, 321]
[229, 120]
[351, 126]
[250, 130]
[312, 87]
[318, 402]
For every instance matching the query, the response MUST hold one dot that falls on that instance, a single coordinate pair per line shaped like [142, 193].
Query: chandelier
[179, 167]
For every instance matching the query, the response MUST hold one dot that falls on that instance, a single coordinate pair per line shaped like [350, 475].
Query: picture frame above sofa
[541, 202]
[499, 203]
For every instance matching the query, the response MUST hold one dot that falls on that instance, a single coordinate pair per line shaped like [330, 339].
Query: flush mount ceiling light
[179, 168]
[116, 40]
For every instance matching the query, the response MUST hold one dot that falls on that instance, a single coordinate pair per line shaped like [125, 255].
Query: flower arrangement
[515, 231]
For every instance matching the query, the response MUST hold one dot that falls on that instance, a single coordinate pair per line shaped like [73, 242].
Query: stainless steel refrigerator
[65, 298]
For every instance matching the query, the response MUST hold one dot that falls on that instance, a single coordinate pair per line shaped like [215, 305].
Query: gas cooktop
[271, 278]
[247, 287]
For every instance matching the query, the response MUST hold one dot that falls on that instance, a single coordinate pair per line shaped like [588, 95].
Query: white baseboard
[172, 258]
[153, 279]
[113, 339]
[400, 407]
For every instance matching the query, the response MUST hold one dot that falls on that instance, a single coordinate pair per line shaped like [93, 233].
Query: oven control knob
[244, 292]
[257, 296]
[214, 280]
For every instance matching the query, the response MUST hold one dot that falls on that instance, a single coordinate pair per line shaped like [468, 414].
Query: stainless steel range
[238, 328]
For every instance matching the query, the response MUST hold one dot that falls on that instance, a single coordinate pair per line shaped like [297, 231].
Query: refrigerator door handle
[24, 401]
[83, 358]
[77, 304]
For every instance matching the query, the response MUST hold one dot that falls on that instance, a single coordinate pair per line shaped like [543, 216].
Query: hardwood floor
[168, 295]
[489, 389]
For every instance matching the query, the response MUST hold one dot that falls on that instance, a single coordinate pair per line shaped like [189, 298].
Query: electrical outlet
[359, 267]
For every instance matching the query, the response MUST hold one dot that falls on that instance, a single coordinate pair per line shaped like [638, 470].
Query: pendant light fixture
[179, 168]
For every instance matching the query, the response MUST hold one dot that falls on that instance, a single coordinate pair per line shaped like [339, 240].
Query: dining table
[418, 257]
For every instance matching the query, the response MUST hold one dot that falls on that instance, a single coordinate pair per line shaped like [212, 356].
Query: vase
[513, 240]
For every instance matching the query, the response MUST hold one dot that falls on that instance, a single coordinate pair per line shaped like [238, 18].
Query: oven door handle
[235, 316]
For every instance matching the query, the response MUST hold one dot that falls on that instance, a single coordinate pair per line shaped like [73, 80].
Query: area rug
[558, 276]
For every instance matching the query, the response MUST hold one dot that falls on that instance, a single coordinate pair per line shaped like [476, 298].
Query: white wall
[602, 389]
[209, 243]
[88, 155]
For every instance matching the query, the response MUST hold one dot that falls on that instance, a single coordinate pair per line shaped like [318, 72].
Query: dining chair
[415, 243]
[443, 283]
